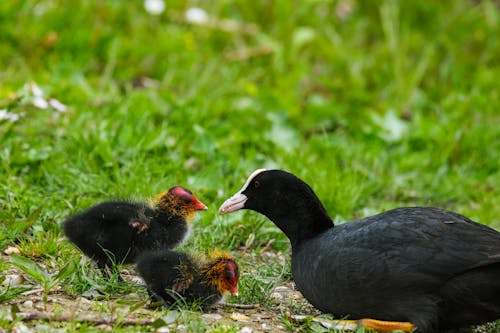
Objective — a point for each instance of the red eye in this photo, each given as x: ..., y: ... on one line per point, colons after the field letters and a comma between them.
x: 256, y: 184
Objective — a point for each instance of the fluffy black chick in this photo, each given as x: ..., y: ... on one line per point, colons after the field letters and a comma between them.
x: 175, y: 278
x: 417, y: 267
x: 118, y: 231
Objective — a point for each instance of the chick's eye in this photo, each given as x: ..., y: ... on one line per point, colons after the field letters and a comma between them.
x: 229, y: 275
x: 256, y: 184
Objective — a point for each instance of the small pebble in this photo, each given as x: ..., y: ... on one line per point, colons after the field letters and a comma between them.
x: 13, y: 280
x: 137, y: 280
x: 277, y: 296
x: 163, y: 329
x: 11, y: 250
x: 28, y: 304
x: 246, y: 329
x: 21, y: 328
x: 212, y: 316
x: 104, y: 327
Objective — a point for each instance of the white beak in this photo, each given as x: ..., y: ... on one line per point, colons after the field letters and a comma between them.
x: 237, y: 201
x: 234, y: 203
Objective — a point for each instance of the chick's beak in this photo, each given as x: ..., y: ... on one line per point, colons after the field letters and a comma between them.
x: 234, y: 203
x: 198, y: 205
x: 234, y: 291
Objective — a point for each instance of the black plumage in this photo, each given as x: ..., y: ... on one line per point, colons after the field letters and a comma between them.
x: 118, y: 231
x: 434, y: 268
x: 175, y: 278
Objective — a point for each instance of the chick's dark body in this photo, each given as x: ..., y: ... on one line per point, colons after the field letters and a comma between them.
x: 170, y: 274
x: 417, y: 264
x: 107, y: 227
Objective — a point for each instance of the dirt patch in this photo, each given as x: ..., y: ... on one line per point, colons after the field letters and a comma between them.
x: 29, y: 313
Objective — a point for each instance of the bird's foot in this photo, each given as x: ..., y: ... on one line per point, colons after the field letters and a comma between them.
x: 141, y: 226
x: 157, y: 302
x: 386, y: 326
x: 182, y: 285
x: 367, y: 323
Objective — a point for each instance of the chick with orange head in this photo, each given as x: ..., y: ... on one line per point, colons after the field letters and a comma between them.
x: 174, y: 278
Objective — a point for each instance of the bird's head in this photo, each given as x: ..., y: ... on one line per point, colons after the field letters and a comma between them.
x: 268, y: 192
x: 222, y: 273
x: 285, y: 199
x: 179, y: 201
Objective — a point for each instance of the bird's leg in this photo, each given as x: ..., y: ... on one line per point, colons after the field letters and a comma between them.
x: 107, y: 272
x: 105, y: 269
x: 156, y: 298
x: 386, y: 326
x: 156, y: 301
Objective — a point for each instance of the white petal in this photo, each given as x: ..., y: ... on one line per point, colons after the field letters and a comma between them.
x: 196, y: 15
x: 40, y: 103
x: 58, y: 105
x: 6, y: 115
x: 36, y: 90
x: 154, y: 7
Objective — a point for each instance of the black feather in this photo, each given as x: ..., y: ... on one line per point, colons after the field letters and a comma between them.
x: 105, y: 234
x: 173, y: 277
x: 434, y: 268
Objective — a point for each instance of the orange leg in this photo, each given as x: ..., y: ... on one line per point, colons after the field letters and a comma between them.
x: 386, y: 326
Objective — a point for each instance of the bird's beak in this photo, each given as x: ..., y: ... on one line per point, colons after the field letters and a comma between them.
x: 234, y: 291
x: 198, y: 205
x: 234, y: 203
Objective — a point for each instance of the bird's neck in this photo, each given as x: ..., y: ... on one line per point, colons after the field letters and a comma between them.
x: 211, y: 273
x: 303, y: 221
x: 169, y: 207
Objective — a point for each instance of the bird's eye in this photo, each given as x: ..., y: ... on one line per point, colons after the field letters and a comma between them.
x: 229, y: 275
x: 186, y: 199
x: 256, y: 184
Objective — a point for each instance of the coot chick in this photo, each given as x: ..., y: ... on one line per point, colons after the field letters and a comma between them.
x: 433, y: 268
x: 176, y: 277
x: 118, y: 231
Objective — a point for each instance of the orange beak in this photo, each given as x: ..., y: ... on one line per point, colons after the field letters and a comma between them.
x: 198, y: 205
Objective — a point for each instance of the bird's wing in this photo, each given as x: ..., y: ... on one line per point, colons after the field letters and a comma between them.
x: 394, y: 253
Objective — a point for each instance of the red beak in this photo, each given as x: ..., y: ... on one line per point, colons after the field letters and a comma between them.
x: 234, y: 290
x: 198, y: 205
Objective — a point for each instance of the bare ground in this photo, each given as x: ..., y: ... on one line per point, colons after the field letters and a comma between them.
x: 29, y: 313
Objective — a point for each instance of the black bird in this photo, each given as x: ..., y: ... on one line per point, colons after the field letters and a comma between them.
x: 118, y: 231
x: 172, y: 277
x: 436, y: 269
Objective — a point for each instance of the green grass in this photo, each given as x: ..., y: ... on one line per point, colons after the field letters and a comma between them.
x: 374, y: 104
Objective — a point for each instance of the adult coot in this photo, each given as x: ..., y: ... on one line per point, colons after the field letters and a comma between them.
x: 178, y: 277
x: 434, y: 268
x: 118, y: 231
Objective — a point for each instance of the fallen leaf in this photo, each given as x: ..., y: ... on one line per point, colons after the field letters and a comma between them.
x: 239, y: 316
x: 12, y: 250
